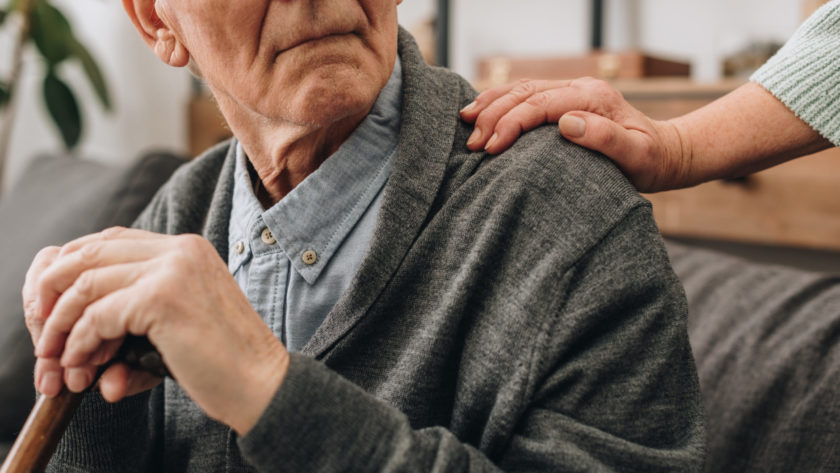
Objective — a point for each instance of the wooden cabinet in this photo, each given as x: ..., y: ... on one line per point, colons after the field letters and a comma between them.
x: 796, y: 204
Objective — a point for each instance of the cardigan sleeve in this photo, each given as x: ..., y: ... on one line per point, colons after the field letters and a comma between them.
x: 615, y: 388
x: 805, y: 73
x: 105, y: 437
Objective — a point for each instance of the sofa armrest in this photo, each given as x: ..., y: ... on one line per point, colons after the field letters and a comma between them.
x: 56, y: 200
x: 767, y: 344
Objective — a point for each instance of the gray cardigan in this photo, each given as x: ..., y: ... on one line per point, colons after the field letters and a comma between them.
x: 512, y: 313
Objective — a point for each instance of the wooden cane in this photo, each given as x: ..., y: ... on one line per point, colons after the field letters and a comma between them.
x: 50, y: 417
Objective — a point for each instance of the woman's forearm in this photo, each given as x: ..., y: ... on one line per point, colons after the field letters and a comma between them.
x: 743, y: 132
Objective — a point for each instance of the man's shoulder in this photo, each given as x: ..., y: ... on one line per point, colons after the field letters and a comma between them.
x: 202, y: 171
x: 182, y: 204
x: 560, y: 183
x: 577, y: 176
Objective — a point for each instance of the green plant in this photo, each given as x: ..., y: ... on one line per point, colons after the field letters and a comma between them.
x: 45, y: 26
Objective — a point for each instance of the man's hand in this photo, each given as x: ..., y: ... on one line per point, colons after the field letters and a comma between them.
x: 590, y: 113
x: 81, y: 300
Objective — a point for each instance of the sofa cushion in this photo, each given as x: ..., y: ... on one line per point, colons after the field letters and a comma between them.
x: 55, y: 201
x: 767, y: 344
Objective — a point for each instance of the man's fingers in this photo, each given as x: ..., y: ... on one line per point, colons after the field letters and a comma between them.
x: 108, y: 318
x: 89, y: 286
x: 106, y: 351
x: 119, y: 381
x: 109, y: 234
x: 79, y: 378
x: 32, y: 306
x: 48, y: 376
x: 96, y: 252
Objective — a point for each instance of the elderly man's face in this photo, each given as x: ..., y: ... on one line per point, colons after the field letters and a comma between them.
x: 310, y: 62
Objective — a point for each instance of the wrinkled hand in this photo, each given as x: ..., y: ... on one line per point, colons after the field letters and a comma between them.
x: 82, y: 299
x: 590, y: 113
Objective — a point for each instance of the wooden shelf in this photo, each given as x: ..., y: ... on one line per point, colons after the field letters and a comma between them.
x: 795, y: 204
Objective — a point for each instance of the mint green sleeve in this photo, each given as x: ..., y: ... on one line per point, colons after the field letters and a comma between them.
x: 805, y: 73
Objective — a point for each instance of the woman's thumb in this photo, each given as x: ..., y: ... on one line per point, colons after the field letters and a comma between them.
x: 599, y: 134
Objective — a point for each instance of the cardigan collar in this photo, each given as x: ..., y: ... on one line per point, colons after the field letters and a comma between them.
x: 429, y: 118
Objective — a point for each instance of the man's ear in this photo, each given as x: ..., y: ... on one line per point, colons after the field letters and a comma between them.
x: 157, y: 35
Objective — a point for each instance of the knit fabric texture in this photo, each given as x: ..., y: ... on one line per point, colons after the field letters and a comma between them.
x: 805, y: 73
x: 513, y: 313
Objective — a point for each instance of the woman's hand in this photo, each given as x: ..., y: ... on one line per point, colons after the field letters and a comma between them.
x: 590, y: 113
x: 82, y: 299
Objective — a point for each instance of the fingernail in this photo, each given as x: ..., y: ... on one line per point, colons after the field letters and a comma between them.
x: 572, y: 126
x: 50, y: 384
x: 493, y: 140
x: 475, y: 137
x: 469, y: 108
x: 78, y: 379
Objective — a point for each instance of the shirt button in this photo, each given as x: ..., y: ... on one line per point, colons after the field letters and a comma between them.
x: 239, y: 247
x: 267, y: 237
x: 309, y: 257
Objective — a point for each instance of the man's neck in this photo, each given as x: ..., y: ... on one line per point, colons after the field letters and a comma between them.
x: 282, y: 153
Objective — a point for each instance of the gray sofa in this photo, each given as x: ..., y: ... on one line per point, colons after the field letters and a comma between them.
x: 766, y: 339
x: 56, y: 200
x: 767, y: 344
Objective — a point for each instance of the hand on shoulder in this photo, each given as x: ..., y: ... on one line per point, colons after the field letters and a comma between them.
x: 589, y: 112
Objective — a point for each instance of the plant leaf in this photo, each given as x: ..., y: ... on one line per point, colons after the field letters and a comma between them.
x: 63, y: 108
x: 3, y: 15
x: 94, y: 74
x: 51, y: 33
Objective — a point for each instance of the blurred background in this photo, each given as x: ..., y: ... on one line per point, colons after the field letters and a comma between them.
x: 668, y: 57
x: 150, y: 100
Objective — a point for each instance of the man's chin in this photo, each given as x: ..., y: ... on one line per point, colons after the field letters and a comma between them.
x: 324, y: 108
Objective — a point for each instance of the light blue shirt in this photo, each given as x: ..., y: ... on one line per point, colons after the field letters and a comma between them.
x: 294, y: 260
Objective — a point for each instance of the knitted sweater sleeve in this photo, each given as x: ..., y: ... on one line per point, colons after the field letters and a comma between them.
x: 614, y: 388
x: 805, y: 73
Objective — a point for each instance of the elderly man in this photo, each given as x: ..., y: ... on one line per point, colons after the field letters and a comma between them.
x: 366, y: 293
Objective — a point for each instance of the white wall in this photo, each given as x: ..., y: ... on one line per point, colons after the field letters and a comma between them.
x: 698, y: 31
x: 150, y: 98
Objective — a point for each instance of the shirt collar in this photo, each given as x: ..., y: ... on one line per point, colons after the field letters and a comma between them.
x: 318, y: 214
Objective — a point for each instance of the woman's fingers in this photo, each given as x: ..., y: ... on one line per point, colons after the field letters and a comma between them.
x: 601, y: 134
x: 489, y: 107
x: 471, y: 111
x: 538, y: 109
x: 638, y: 149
